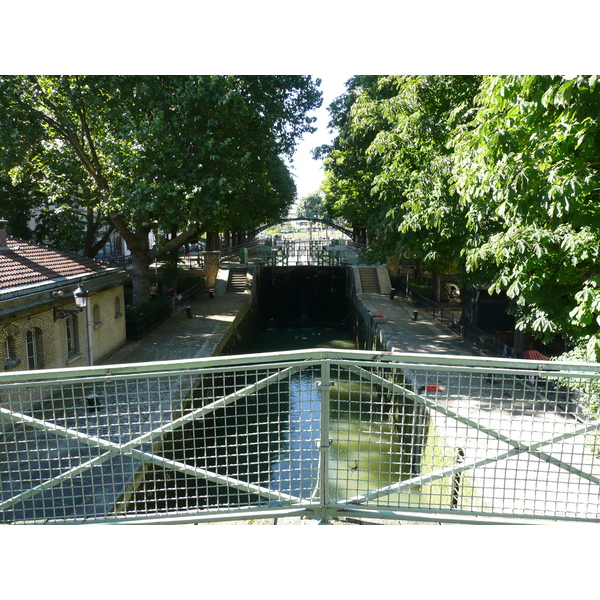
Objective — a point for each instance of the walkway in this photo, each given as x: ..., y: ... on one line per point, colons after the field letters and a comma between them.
x: 205, y: 334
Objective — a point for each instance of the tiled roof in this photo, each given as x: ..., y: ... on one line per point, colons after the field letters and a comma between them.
x: 27, y: 263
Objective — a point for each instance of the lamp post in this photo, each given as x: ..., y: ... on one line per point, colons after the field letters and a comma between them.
x: 81, y: 296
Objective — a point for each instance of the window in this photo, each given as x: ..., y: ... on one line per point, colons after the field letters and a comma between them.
x: 34, y: 348
x: 72, y: 335
x: 97, y: 320
x: 118, y: 312
x: 11, y: 352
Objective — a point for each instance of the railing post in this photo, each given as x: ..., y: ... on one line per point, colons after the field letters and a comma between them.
x: 325, y: 442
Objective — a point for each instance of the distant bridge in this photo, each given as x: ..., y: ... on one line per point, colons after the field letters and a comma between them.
x: 331, y: 224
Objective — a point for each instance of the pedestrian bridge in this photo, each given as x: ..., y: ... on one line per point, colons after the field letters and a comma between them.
x: 328, y: 223
x: 324, y: 434
x: 299, y: 252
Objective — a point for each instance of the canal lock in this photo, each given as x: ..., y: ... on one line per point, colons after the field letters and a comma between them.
x: 271, y: 439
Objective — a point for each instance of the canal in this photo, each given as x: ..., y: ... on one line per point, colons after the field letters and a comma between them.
x: 271, y: 438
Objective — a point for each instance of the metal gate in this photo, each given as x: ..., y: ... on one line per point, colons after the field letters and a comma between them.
x: 324, y: 434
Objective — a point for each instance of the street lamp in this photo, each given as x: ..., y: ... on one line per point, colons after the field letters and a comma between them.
x: 80, y: 301
x: 81, y: 297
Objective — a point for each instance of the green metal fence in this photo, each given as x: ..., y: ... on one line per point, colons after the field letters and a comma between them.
x: 323, y: 434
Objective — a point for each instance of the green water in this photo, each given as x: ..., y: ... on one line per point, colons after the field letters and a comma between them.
x: 301, y: 338
x: 272, y: 438
x: 365, y: 449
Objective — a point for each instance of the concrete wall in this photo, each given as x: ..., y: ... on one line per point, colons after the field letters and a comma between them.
x: 410, y: 420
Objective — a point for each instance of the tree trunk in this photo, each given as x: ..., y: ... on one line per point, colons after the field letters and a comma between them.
x: 437, y: 287
x: 522, y: 341
x: 140, y: 280
x: 212, y: 241
x: 360, y: 235
x: 141, y: 255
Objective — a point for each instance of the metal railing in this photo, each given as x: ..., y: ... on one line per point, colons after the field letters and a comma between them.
x: 308, y: 252
x: 322, y: 434
x: 140, y: 322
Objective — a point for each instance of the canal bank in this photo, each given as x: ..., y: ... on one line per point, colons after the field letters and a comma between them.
x: 218, y: 324
x: 210, y: 325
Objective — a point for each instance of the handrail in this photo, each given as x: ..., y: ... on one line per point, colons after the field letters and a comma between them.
x: 469, y: 332
x: 382, y: 429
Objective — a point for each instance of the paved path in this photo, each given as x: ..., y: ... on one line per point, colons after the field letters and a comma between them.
x: 404, y: 334
x: 181, y: 337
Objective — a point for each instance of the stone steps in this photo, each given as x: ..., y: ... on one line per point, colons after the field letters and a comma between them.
x: 236, y: 283
x: 369, y: 280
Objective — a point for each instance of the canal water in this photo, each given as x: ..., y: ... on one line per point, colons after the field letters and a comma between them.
x: 367, y: 452
x: 271, y: 438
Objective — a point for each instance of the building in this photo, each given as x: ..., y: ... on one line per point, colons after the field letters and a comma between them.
x: 56, y: 309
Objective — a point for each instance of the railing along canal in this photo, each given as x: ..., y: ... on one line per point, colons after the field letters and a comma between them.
x: 307, y: 252
x: 322, y: 434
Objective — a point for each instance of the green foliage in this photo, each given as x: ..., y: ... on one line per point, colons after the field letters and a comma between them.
x: 586, y: 351
x: 182, y: 153
x: 526, y: 168
x: 311, y: 206
x: 390, y: 168
x: 495, y: 176
x: 142, y: 319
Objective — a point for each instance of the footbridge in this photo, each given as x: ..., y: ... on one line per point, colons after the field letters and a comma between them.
x: 285, y: 252
x: 320, y: 434
x: 326, y: 222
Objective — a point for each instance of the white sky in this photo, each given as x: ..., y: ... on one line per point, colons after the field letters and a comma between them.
x: 308, y: 172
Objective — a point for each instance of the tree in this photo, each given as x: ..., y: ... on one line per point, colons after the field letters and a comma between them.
x: 416, y: 117
x: 390, y: 167
x: 527, y: 169
x: 349, y: 171
x: 170, y: 152
x: 311, y: 206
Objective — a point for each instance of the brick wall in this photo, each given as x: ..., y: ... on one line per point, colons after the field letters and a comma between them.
x: 107, y: 316
x: 108, y: 323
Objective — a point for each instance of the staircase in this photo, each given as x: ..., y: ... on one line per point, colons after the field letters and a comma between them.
x: 369, y: 280
x: 236, y: 283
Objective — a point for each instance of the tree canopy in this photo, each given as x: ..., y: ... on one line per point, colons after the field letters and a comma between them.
x: 527, y: 170
x: 494, y: 177
x: 179, y: 153
x: 389, y: 170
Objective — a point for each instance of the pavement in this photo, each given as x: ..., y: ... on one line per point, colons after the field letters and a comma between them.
x: 212, y: 323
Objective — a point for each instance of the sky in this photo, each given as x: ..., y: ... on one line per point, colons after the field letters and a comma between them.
x: 308, y: 173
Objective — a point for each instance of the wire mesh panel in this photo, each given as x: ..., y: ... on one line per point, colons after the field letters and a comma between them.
x: 134, y: 446
x: 248, y: 439
x: 321, y: 433
x: 471, y: 442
